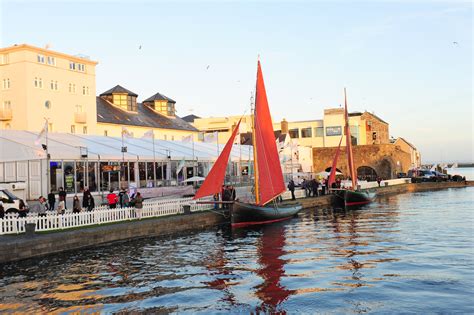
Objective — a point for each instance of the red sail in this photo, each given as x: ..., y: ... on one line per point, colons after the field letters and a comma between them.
x: 270, y: 176
x: 350, y: 157
x: 332, y: 175
x: 214, y: 180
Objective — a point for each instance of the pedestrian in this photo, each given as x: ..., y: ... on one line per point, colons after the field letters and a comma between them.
x: 126, y: 199
x: 232, y: 193
x: 227, y: 196
x: 223, y: 196
x: 138, y: 201
x: 89, y: 202
x: 22, y: 209
x: 112, y: 199
x: 379, y: 180
x: 51, y: 200
x: 41, y: 206
x: 2, y: 210
x: 85, y: 197
x: 76, y: 205
x: 291, y: 187
x: 314, y: 187
x: 323, y: 186
x: 120, y: 197
x: 216, y: 200
x: 61, y: 207
x: 62, y: 196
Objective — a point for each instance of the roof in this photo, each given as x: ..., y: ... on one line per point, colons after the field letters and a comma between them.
x: 403, y: 139
x: 18, y: 47
x: 377, y: 117
x: 190, y: 118
x: 159, y: 97
x: 144, y: 117
x: 119, y: 89
x: 20, y: 146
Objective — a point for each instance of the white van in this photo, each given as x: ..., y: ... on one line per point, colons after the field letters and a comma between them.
x: 10, y: 202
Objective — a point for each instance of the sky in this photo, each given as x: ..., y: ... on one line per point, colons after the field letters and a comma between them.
x: 408, y: 62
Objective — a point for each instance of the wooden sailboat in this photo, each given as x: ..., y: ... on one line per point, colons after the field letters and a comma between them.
x: 348, y: 197
x: 269, y: 183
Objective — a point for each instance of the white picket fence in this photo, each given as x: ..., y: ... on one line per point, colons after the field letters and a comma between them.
x: 12, y: 224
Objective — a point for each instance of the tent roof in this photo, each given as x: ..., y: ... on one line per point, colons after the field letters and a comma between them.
x: 18, y: 145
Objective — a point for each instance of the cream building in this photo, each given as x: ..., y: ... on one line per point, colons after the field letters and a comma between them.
x: 222, y: 126
x: 118, y: 108
x: 39, y: 83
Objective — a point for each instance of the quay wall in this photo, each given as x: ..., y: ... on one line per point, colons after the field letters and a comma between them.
x: 19, y: 247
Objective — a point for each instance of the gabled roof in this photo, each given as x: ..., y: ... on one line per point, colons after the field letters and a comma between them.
x: 145, y: 117
x: 403, y: 139
x: 190, y: 118
x: 159, y: 97
x: 119, y: 89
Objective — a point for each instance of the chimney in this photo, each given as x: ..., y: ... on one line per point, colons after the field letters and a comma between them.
x: 284, y: 126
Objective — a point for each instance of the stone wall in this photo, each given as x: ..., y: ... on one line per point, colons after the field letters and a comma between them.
x: 386, y: 159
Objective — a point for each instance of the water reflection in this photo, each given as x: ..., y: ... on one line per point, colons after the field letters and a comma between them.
x: 373, y: 259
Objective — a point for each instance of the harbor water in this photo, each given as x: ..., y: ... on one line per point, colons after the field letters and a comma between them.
x: 408, y: 253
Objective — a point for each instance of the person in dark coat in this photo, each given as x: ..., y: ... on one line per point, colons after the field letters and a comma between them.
x: 232, y: 193
x: 51, y: 200
x: 90, y: 203
x: 76, y: 204
x: 291, y: 187
x: 227, y: 196
x: 314, y: 187
x: 85, y: 197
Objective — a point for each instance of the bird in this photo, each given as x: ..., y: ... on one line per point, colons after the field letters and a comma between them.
x: 455, y: 43
x: 140, y: 47
x: 207, y: 68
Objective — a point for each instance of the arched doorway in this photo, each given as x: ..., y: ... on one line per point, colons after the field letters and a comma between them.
x: 367, y: 173
x: 385, y: 169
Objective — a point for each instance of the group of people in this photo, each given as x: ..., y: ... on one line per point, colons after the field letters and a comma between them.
x: 123, y: 199
x: 313, y: 187
x: 227, y: 194
x: 88, y: 202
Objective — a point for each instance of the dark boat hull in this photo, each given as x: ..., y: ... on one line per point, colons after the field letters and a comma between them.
x: 351, y: 198
x: 244, y: 214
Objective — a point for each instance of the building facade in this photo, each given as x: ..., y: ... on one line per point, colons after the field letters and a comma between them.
x: 39, y: 83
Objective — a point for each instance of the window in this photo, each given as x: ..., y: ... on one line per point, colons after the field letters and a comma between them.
x: 72, y: 65
x: 334, y: 131
x: 55, y: 85
x: 83, y: 90
x: 165, y: 137
x: 294, y: 133
x: 40, y: 83
x: 306, y: 132
x: 84, y: 130
x: 40, y: 58
x: 51, y: 61
x: 105, y: 133
x: 87, y: 90
x: 73, y: 129
x: 4, y: 59
x: 78, y: 108
x: 132, y: 103
x: 52, y: 85
x: 6, y: 84
x: 7, y: 105
x: 74, y: 89
x: 319, y: 132
x: 36, y: 82
x: 172, y: 138
x: 47, y: 104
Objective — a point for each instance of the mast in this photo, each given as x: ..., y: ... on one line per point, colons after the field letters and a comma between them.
x: 350, y: 158
x: 255, y: 165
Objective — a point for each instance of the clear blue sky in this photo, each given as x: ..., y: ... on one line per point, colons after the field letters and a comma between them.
x: 396, y: 59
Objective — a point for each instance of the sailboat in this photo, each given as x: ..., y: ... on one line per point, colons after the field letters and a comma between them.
x: 352, y: 196
x: 269, y: 183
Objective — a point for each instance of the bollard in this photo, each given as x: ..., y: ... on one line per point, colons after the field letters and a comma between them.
x: 187, y: 209
x: 30, y: 229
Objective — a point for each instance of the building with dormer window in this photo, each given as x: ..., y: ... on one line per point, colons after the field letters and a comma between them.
x: 118, y: 107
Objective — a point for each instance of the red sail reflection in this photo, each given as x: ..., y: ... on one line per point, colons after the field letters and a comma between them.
x: 271, y: 292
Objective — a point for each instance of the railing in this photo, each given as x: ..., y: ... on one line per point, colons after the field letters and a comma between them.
x: 12, y: 224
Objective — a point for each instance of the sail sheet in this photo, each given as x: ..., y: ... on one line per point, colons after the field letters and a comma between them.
x: 350, y: 157
x: 270, y: 177
x: 214, y: 180
x: 332, y: 175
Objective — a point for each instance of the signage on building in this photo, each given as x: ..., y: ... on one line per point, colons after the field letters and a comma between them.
x: 334, y: 131
x: 110, y: 168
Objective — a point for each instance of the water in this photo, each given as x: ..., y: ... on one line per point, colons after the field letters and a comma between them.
x: 411, y: 253
x: 463, y: 171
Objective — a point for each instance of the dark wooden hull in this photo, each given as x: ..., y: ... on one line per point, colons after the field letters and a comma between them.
x: 351, y: 198
x: 244, y: 214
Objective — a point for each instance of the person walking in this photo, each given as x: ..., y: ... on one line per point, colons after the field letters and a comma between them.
x: 76, y: 205
x: 62, y: 196
x: 51, y: 200
x: 112, y: 199
x: 22, y: 209
x: 291, y: 187
x: 85, y: 197
x: 61, y: 207
x: 216, y: 198
x: 121, y: 197
x: 138, y: 201
x: 232, y: 193
x: 323, y: 186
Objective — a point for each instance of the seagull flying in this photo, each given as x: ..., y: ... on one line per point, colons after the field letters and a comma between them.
x: 207, y: 68
x: 140, y: 47
x: 455, y: 43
